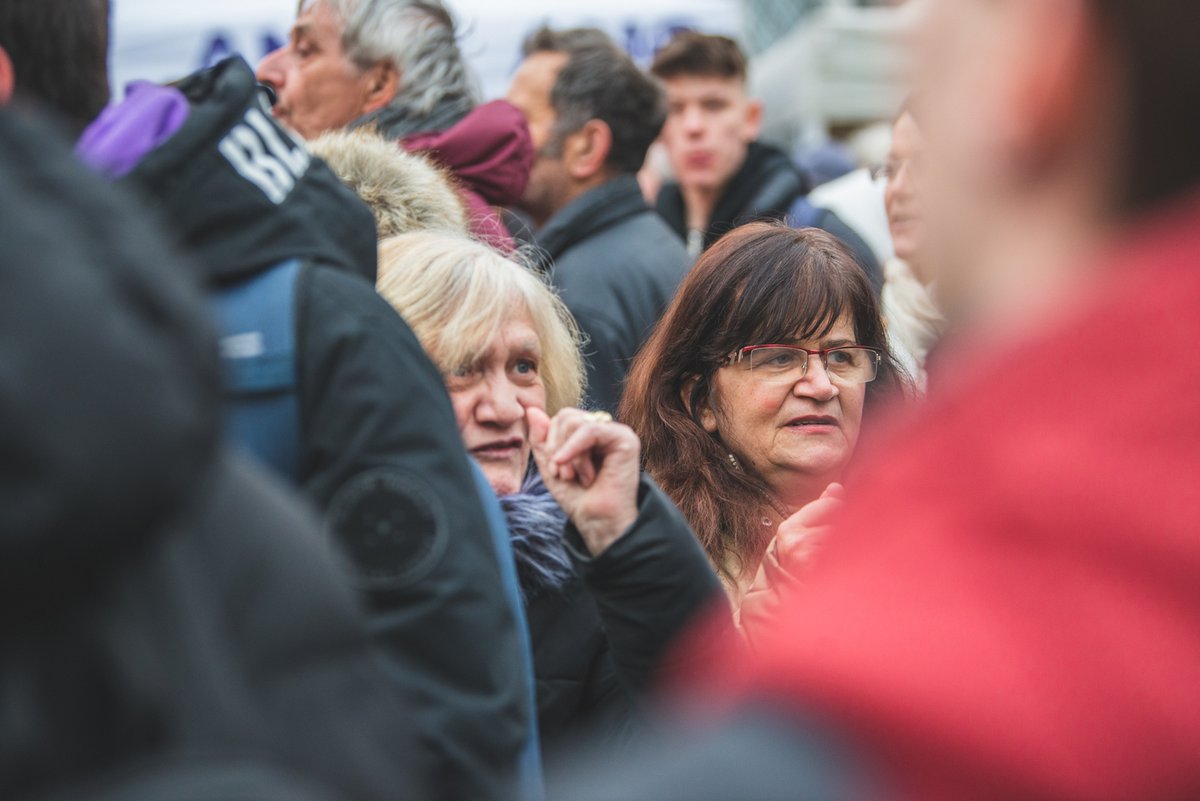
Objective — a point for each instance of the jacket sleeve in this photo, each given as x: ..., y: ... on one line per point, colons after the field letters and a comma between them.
x: 649, y: 586
x: 384, y: 462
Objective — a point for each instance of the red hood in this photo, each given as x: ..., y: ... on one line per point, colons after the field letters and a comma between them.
x: 489, y: 151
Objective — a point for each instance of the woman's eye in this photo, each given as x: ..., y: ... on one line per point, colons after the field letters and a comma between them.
x: 840, y: 357
x: 782, y: 360
x: 525, y: 367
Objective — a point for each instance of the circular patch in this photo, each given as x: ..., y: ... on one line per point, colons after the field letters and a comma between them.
x: 391, y: 525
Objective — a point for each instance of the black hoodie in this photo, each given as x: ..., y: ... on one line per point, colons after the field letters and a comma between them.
x: 381, y: 456
x: 764, y: 188
x: 160, y: 600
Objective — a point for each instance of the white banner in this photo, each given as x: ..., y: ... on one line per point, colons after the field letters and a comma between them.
x: 160, y: 41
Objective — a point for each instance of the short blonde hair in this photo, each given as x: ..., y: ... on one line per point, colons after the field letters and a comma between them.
x: 457, y: 293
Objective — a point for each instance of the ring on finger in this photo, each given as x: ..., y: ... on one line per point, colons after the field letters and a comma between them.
x: 598, y: 417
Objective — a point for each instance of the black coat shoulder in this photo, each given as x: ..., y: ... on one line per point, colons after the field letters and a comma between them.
x: 617, y: 265
x: 599, y: 644
x: 383, y: 460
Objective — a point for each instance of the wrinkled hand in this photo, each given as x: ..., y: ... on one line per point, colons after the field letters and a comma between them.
x: 799, y: 534
x: 592, y: 469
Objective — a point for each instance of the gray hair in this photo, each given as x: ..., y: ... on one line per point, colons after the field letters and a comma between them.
x: 419, y: 37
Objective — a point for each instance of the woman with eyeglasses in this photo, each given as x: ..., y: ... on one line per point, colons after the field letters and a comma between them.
x: 750, y: 396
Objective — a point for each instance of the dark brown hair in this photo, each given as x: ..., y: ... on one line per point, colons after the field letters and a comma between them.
x: 762, y: 282
x: 600, y: 82
x: 59, y: 52
x: 698, y: 54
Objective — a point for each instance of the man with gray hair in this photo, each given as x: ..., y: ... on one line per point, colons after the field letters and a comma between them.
x: 395, y: 65
x: 593, y: 115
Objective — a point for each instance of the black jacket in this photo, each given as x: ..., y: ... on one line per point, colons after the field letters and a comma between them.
x: 764, y: 188
x: 617, y: 266
x: 601, y: 633
x: 768, y: 186
x: 159, y: 598
x: 381, y: 456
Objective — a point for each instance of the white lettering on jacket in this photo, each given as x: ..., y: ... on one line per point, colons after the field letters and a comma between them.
x: 260, y: 155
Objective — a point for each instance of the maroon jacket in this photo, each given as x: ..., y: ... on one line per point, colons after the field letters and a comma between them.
x: 1011, y: 607
x: 490, y: 152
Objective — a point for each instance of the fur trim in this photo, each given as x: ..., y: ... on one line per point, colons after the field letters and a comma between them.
x: 407, y: 192
x: 536, y: 524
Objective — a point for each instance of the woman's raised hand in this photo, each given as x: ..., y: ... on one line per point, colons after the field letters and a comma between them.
x: 799, y: 534
x: 591, y: 466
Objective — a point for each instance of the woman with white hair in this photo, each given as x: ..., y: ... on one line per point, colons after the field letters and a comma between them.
x: 609, y: 570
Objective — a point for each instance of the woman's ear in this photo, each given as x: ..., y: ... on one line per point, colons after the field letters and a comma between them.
x: 708, y: 419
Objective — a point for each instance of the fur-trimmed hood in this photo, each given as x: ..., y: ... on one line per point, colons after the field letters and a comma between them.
x: 407, y: 192
x: 536, y: 524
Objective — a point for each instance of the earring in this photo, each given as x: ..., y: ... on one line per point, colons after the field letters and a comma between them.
x: 733, y: 461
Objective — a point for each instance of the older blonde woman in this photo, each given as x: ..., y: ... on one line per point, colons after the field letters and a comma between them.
x: 609, y: 570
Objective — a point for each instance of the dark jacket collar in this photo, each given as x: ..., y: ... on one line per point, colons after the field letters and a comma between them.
x: 764, y: 188
x: 219, y: 212
x: 592, y: 212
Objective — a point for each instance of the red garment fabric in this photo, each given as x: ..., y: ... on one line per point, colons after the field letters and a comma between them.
x: 1011, y: 607
x: 490, y: 152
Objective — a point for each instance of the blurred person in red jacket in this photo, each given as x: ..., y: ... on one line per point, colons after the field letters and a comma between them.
x: 1009, y: 605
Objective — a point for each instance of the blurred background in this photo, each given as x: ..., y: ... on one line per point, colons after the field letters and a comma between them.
x: 828, y: 70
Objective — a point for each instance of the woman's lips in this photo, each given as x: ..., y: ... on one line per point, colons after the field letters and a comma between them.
x: 813, y: 424
x: 500, y: 450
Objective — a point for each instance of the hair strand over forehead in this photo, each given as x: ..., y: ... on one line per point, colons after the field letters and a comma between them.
x: 456, y: 294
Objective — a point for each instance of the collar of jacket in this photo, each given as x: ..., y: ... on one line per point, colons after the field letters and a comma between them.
x: 489, y: 151
x: 764, y: 188
x: 535, y: 526
x: 592, y: 212
x: 217, y: 206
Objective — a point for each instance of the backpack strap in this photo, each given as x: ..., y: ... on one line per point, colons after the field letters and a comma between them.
x: 256, y: 320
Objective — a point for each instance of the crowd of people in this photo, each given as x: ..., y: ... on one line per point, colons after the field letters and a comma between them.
x: 366, y: 440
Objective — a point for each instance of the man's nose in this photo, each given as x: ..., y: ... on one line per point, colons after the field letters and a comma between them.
x: 271, y: 69
x: 693, y: 121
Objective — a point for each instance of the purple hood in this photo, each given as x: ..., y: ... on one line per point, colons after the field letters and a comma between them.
x: 125, y: 132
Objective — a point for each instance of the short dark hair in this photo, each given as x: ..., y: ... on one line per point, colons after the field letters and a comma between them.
x: 59, y: 53
x: 1156, y: 42
x: 699, y: 54
x: 599, y: 82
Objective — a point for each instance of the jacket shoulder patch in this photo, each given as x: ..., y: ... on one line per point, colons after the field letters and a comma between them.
x: 391, y: 526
